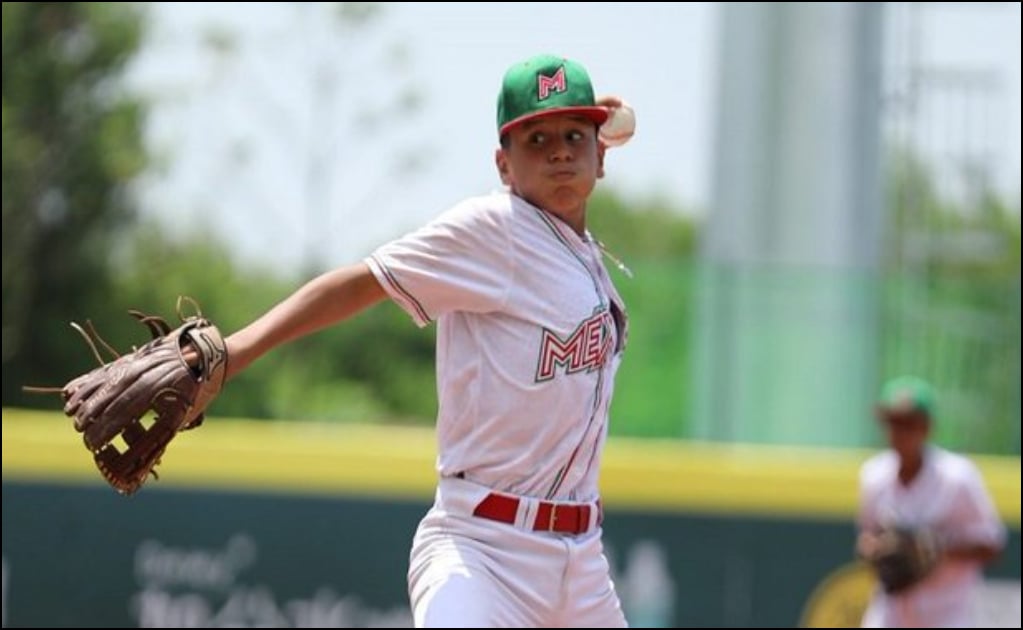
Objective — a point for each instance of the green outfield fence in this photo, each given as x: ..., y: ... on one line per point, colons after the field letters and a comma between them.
x: 961, y: 332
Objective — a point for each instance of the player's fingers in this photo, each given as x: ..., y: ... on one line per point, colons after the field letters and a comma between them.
x: 609, y: 100
x: 866, y: 545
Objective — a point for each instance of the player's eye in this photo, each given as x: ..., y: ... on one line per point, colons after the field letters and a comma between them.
x: 537, y: 138
x: 574, y: 135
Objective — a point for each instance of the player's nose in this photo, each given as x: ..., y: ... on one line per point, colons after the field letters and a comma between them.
x: 559, y: 152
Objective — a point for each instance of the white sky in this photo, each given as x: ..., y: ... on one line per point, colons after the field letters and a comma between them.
x: 240, y: 141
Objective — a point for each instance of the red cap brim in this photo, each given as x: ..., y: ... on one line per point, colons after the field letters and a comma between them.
x: 597, y: 114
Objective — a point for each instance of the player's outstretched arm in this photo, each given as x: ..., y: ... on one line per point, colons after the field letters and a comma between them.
x: 172, y: 379
x: 982, y: 553
x: 327, y: 299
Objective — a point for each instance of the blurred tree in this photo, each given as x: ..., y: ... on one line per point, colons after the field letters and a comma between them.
x: 306, y: 123
x: 951, y: 303
x: 71, y: 142
x: 378, y: 366
x: 651, y: 229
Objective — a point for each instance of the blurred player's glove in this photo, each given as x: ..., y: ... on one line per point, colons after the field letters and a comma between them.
x: 902, y: 557
x: 114, y: 400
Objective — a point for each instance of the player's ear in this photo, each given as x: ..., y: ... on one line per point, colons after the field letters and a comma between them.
x: 601, y: 149
x: 501, y: 160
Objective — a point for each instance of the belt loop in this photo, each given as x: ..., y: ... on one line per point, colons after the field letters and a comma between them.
x: 527, y: 513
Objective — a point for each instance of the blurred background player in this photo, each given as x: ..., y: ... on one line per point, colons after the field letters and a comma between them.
x: 915, y: 485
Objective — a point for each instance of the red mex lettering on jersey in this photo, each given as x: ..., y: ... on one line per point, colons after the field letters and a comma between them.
x: 545, y: 85
x: 587, y: 348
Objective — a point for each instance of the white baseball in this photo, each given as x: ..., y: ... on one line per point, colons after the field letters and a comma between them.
x: 619, y: 127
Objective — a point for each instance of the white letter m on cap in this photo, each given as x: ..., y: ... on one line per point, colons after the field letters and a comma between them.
x: 545, y: 85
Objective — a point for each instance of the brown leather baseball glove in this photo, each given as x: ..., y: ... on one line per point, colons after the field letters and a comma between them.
x: 145, y: 397
x: 903, y: 557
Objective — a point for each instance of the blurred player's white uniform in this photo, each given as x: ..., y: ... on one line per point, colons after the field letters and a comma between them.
x: 530, y: 333
x: 948, y: 497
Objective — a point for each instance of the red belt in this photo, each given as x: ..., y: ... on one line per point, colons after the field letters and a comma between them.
x: 550, y: 517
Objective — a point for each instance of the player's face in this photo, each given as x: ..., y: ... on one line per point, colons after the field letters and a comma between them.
x: 907, y: 433
x: 553, y: 162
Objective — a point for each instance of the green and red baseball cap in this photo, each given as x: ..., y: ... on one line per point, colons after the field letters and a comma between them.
x: 906, y: 395
x: 545, y: 85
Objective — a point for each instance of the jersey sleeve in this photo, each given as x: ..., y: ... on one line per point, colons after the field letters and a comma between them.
x: 875, y: 474
x: 975, y: 512
x: 461, y: 261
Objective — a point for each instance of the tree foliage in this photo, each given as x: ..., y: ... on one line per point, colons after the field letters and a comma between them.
x: 652, y: 229
x: 376, y: 366
x: 951, y: 301
x: 71, y: 142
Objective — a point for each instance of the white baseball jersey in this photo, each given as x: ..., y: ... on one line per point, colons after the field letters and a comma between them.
x: 948, y: 497
x: 529, y: 335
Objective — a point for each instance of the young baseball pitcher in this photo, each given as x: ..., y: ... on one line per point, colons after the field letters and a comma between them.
x: 530, y: 332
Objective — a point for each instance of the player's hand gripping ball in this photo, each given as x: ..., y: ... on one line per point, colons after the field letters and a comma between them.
x: 619, y: 127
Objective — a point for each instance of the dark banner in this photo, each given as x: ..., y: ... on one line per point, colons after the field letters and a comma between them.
x: 82, y: 556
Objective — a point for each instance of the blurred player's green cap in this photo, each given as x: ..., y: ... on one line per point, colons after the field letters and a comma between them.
x: 544, y: 85
x: 906, y: 395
